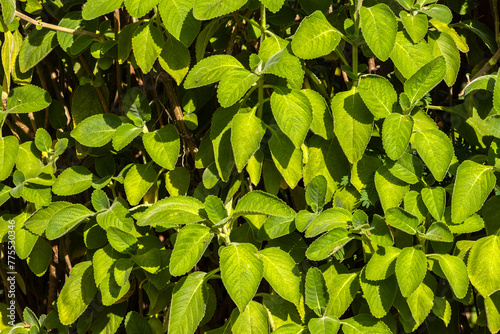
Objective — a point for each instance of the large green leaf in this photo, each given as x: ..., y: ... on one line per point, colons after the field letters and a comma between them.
x: 353, y: 123
x: 364, y: 323
x: 247, y: 131
x: 408, y: 57
x: 402, y: 220
x: 135, y: 323
x: 379, y: 27
x: 411, y: 267
x: 66, y: 219
x: 342, y: 288
x: 282, y: 312
x: 473, y: 184
x: 179, y: 21
x: 209, y: 9
x: 9, y: 147
x: 172, y: 211
x: 435, y: 201
x: 390, y: 189
x: 138, y: 180
x: 211, y: 70
x: 483, y: 265
x: 77, y: 293
x: 163, y: 146
x: 322, y: 123
x: 379, y: 294
x: 36, y: 46
x: 253, y: 320
x: 24, y: 240
x: 382, y: 263
x: 234, y: 85
x: 436, y: 150
x: 96, y: 8
x: 492, y: 308
x: 287, y: 158
x: 293, y: 113
x: 261, y: 203
x: 315, y: 37
x: 26, y: 99
x: 316, y: 292
x: 117, y: 215
x: 37, y: 222
x: 396, y: 133
x: 460, y: 41
x: 123, y: 242
x: 72, y: 181
x: 381, y: 234
x: 97, y: 130
x: 147, y: 44
x: 328, y: 220
x: 139, y: 8
x: 241, y: 272
x: 273, y: 5
x: 188, y: 303
x: 323, y: 325
x: 455, y: 272
x: 378, y: 94
x: 220, y: 135
x: 442, y: 44
x: 426, y: 78
x: 407, y: 168
x: 8, y: 11
x: 175, y: 59
x: 420, y: 303
x: 284, y: 65
x: 328, y: 244
x: 190, y: 244
x: 415, y: 25
x: 124, y: 135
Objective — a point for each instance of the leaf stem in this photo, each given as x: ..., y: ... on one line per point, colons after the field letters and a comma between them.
x: 262, y: 22
x: 260, y: 104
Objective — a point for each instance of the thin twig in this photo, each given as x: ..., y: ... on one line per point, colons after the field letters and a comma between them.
x: 59, y: 93
x: 9, y: 124
x: 52, y: 295
x: 24, y: 128
x: 99, y: 91
x: 489, y: 64
x: 54, y: 27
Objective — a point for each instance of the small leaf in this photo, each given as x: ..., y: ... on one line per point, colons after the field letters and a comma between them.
x: 492, y: 309
x: 175, y: 59
x: 407, y: 168
x: 163, y: 146
x: 378, y: 95
x: 117, y: 215
x: 439, y: 232
x: 287, y: 159
x: 26, y: 99
x: 379, y: 294
x: 211, y: 70
x: 425, y: 79
x: 220, y: 135
x: 215, y: 209
x: 190, y: 244
x: 260, y: 203
x: 315, y: 37
x: 445, y: 28
x: 342, y: 289
x: 328, y: 244
x: 415, y: 25
x: 234, y: 85
x: 442, y: 309
x: 435, y: 201
x: 438, y: 12
x: 411, y: 267
x: 147, y: 44
x: 455, y: 272
x: 209, y: 9
x: 483, y: 265
x: 139, y: 8
x: 8, y: 11
x: 124, y: 135
x: 316, y: 293
x: 136, y: 106
x: 284, y: 65
x: 241, y: 272
x: 96, y: 8
x: 253, y: 320
x: 381, y: 234
x: 172, y: 211
x: 323, y: 325
x: 36, y: 46
x: 402, y: 220
x: 72, y: 181
x: 43, y: 141
x: 122, y: 241
x: 273, y: 5
x: 364, y: 323
x: 177, y: 181
x: 322, y: 123
x: 328, y: 220
x: 9, y: 147
x: 473, y: 184
x: 443, y: 44
x: 316, y: 193
x: 436, y: 150
x: 97, y: 130
x: 247, y: 131
x: 420, y: 303
x: 66, y: 219
x: 390, y: 189
x: 379, y: 27
x: 382, y: 263
x: 396, y: 133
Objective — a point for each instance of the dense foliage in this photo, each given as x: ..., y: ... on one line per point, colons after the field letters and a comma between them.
x: 191, y: 166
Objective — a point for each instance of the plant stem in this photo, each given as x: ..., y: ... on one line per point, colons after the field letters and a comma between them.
x: 262, y: 22
x: 54, y: 27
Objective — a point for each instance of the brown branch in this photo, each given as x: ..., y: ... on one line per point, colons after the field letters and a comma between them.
x: 99, y: 91
x: 52, y: 295
x: 43, y: 82
x: 489, y: 64
x: 9, y: 124
x: 54, y: 27
x: 24, y: 128
x: 118, y: 96
x: 63, y: 245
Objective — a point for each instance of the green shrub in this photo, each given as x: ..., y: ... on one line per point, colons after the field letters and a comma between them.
x: 197, y: 166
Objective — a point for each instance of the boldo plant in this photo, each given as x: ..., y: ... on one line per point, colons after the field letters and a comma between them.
x: 250, y: 166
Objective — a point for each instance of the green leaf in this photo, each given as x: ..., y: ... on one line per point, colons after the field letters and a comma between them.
x: 163, y: 146
x: 177, y: 181
x: 316, y: 193
x: 271, y: 47
x: 241, y: 272
x: 138, y: 180
x: 8, y: 11
x: 125, y: 41
x: 139, y: 8
x: 117, y: 215
x: 382, y: 263
x: 215, y: 209
x: 73, y: 181
x: 171, y: 211
x: 483, y: 266
x: 273, y: 5
x: 328, y: 244
x: 379, y: 27
x: 211, y: 70
x: 147, y: 44
x: 36, y: 46
x: 364, y: 323
x: 442, y: 44
x: 77, y: 293
x: 37, y: 223
x: 97, y: 130
x: 491, y: 215
x: 442, y: 309
x: 390, y: 189
x: 253, y: 320
x: 411, y: 267
x: 396, y: 133
x: 328, y: 220
x: 287, y: 158
x: 247, y: 131
x: 402, y: 220
x: 439, y: 232
x: 438, y: 12
x: 43, y: 141
x: 150, y: 261
x: 234, y: 85
x: 415, y: 25
x: 175, y: 59
x: 292, y: 112
x: 353, y: 123
x: 281, y: 273
x: 408, y: 57
x: 316, y: 293
x: 26, y: 99
x: 436, y: 150
x: 136, y: 323
x: 66, y: 219
x: 496, y: 94
x: 378, y: 95
x: 322, y: 123
x: 407, y: 168
x: 260, y: 203
x: 29, y: 160
x: 342, y: 288
x: 315, y: 37
x: 379, y: 294
x: 25, y: 240
x: 136, y: 106
x: 9, y: 147
x: 190, y: 244
x: 420, y: 303
x: 209, y: 9
x: 284, y: 65
x: 381, y: 234
x: 122, y: 241
x: 445, y: 28
x: 124, y: 135
x: 40, y: 257
x: 492, y: 308
x: 188, y: 303
x: 455, y: 272
x: 96, y: 8
x: 179, y: 21
x: 85, y: 103
x: 220, y: 134
x: 435, y: 201
x: 281, y: 311
x: 426, y: 78
x: 323, y: 325
x: 473, y: 184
